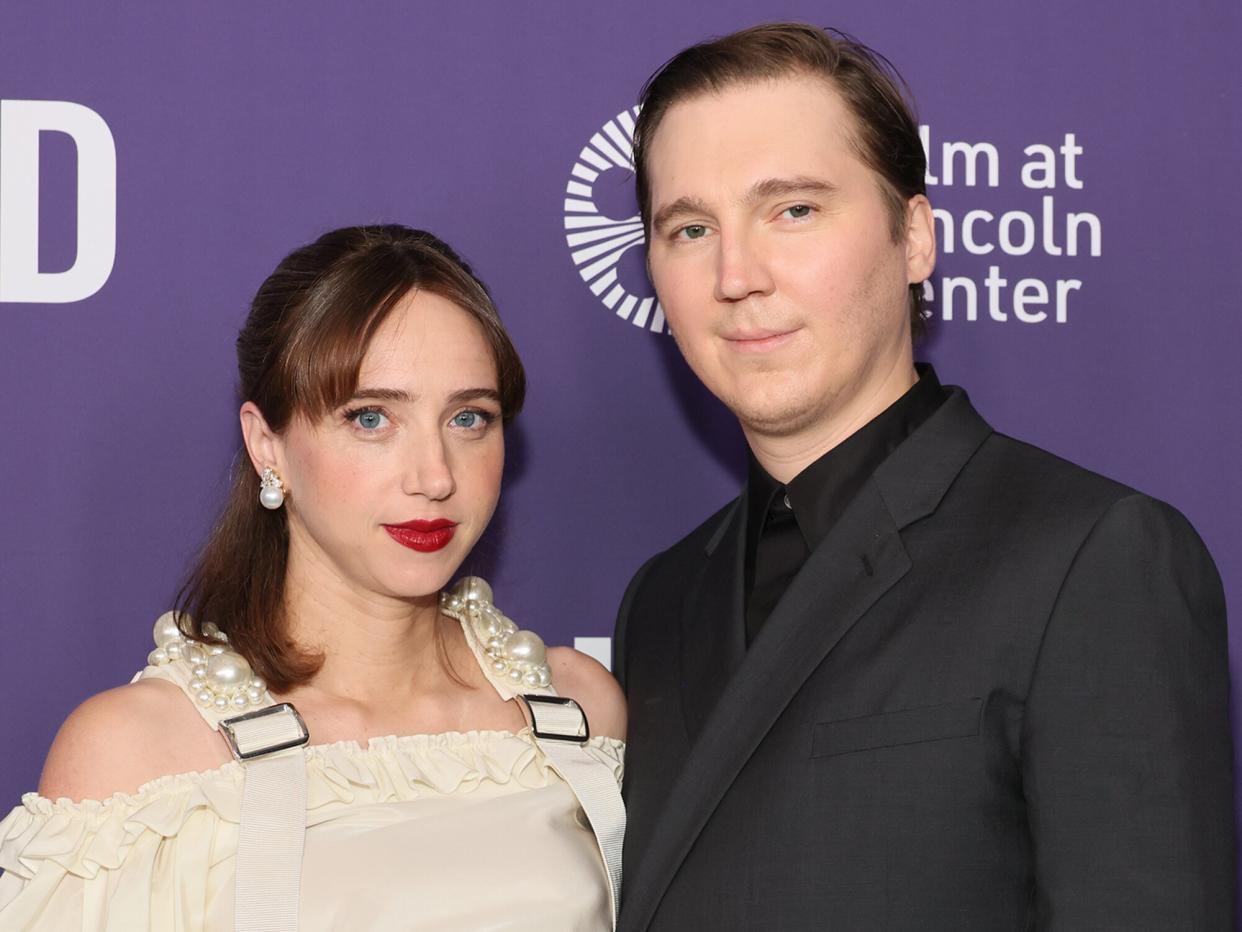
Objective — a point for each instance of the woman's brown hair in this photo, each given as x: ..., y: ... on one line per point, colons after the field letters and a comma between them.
x: 299, y: 354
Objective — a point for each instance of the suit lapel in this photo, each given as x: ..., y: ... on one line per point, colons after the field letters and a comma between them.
x: 849, y: 571
x: 860, y: 560
x: 713, y: 635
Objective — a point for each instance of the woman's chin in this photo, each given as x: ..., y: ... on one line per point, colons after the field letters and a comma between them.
x: 424, y: 583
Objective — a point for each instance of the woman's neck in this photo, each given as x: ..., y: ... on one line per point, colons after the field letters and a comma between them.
x: 376, y: 649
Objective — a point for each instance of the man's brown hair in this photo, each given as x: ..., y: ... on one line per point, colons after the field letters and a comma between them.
x: 886, y: 134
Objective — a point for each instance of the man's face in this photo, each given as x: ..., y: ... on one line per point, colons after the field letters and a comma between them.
x: 772, y: 253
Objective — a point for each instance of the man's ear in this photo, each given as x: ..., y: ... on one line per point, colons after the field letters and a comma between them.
x: 263, y: 444
x: 920, y: 240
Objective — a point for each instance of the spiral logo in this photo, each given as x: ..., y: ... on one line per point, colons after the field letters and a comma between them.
x: 599, y: 242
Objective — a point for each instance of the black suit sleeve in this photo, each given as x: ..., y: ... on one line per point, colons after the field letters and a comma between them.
x: 1126, y: 750
x: 623, y: 616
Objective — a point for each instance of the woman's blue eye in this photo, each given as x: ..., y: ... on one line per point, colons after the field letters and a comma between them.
x: 369, y: 420
x: 470, y: 420
x: 798, y: 211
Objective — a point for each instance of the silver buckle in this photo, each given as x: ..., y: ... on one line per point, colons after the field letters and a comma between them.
x: 228, y: 729
x: 532, y: 699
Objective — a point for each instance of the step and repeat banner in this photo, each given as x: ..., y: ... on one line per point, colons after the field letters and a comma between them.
x: 156, y: 163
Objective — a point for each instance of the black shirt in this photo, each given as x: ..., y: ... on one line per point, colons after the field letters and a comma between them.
x: 784, y: 523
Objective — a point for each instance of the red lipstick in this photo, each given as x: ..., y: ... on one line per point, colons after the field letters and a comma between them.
x: 423, y: 536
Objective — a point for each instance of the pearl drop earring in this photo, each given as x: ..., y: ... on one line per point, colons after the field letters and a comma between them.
x: 271, y: 489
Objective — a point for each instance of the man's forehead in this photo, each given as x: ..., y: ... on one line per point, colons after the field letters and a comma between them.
x: 792, y: 113
x: 765, y: 128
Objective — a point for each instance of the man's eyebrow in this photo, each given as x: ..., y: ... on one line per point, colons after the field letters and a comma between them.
x: 782, y: 187
x: 759, y: 191
x: 683, y: 206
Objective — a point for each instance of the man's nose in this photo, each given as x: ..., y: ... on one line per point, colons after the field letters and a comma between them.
x: 741, y: 268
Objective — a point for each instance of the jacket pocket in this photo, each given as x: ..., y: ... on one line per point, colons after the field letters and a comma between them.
x: 958, y: 719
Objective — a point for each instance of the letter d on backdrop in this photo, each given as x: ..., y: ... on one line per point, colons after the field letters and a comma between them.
x: 21, y: 121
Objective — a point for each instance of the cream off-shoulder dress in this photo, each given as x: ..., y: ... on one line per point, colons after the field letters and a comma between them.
x: 457, y: 831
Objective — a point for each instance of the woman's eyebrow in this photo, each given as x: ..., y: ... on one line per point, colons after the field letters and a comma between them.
x: 397, y: 394
x: 383, y: 394
x: 474, y: 394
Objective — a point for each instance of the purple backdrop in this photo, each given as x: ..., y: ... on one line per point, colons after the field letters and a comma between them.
x: 241, y: 135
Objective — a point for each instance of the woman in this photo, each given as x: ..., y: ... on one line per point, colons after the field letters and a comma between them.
x: 377, y: 379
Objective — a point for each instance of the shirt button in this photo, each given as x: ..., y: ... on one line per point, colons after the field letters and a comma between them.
x: 787, y: 505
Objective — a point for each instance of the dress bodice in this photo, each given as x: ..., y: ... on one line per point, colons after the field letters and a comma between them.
x: 440, y: 832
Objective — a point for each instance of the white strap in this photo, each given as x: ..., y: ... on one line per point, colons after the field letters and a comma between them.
x: 561, y: 731
x: 557, y: 717
x: 268, y: 868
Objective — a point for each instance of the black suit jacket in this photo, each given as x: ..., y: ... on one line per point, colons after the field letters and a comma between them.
x: 994, y: 698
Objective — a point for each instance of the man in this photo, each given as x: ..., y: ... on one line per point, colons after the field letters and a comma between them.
x: 919, y: 675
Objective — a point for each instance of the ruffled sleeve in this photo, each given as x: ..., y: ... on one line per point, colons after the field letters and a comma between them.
x: 131, y: 862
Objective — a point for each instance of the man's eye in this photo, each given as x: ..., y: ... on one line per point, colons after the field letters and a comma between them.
x: 798, y: 211
x: 693, y: 231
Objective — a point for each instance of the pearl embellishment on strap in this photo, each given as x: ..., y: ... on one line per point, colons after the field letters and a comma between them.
x: 220, y: 678
x: 515, y: 655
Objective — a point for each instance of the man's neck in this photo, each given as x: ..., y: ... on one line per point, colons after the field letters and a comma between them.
x: 785, y: 454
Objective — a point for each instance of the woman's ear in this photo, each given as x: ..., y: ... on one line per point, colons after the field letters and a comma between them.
x: 263, y: 444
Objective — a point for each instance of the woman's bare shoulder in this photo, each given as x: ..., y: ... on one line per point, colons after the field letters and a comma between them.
x: 118, y: 740
x: 586, y: 680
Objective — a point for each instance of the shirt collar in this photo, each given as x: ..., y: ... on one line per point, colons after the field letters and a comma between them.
x: 822, y: 491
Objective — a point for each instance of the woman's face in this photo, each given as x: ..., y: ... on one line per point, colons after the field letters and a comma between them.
x: 390, y: 492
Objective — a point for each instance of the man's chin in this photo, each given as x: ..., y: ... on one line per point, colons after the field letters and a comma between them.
x: 775, y: 418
